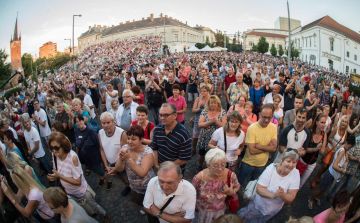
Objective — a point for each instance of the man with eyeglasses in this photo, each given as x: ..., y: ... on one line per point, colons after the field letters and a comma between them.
x: 126, y: 113
x: 171, y: 140
x: 295, y: 135
x: 261, y: 139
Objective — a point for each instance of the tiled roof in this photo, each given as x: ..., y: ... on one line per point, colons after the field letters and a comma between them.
x: 143, y: 24
x: 266, y: 34
x: 328, y: 22
x: 94, y: 30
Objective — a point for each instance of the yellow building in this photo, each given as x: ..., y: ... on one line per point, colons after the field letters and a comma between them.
x: 49, y: 49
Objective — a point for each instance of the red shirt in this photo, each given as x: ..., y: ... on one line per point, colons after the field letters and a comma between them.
x: 141, y: 100
x: 228, y: 80
x: 146, y: 135
x: 346, y: 95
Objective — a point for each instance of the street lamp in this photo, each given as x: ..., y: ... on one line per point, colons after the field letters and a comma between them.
x: 224, y: 39
x: 70, y: 46
x: 73, y: 38
x: 289, y: 47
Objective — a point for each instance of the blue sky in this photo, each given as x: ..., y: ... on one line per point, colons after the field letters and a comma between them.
x: 41, y: 21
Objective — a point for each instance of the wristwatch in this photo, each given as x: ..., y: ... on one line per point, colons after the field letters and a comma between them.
x: 159, y: 215
x: 14, y: 202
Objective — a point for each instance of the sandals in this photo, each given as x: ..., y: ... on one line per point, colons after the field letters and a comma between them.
x: 310, y: 204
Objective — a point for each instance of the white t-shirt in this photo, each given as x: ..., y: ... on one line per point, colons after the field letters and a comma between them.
x: 108, y: 99
x: 272, y: 180
x: 37, y: 195
x: 328, y: 121
x: 341, y: 163
x: 278, y: 114
x: 31, y: 137
x: 88, y: 101
x: 269, y: 100
x: 233, y: 143
x: 44, y: 131
x: 111, y: 145
x: 14, y: 133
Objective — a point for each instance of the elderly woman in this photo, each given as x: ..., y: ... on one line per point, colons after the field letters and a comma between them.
x: 240, y: 106
x: 142, y: 120
x: 87, y: 146
x: 69, y: 209
x: 137, y: 159
x: 77, y: 110
x: 179, y: 102
x: 278, y: 184
x: 211, y: 118
x: 234, y: 143
x: 212, y: 187
x: 67, y: 168
x: 29, y: 188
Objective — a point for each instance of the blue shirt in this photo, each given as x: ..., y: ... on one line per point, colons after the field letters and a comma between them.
x: 125, y: 121
x: 173, y: 146
x: 84, y: 114
x: 258, y: 95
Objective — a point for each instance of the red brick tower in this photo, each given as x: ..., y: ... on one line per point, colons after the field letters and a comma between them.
x: 15, y: 52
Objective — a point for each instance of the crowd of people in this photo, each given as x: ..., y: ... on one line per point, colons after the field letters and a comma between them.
x: 258, y: 125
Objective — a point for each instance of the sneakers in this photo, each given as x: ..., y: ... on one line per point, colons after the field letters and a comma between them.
x: 109, y: 185
x: 310, y: 204
x: 126, y: 191
x: 101, y: 182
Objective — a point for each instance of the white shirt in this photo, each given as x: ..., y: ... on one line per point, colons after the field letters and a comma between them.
x: 89, y: 102
x: 111, y: 144
x: 108, y: 99
x: 269, y: 100
x: 233, y: 143
x: 14, y: 133
x: 44, y: 131
x: 32, y: 137
x: 184, y: 200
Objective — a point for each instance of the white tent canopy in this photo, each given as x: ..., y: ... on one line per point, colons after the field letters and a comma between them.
x: 207, y: 49
x: 218, y: 48
x: 267, y: 53
x: 193, y: 49
x: 284, y: 55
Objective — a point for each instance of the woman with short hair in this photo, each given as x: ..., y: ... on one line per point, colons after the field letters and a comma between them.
x: 78, y: 110
x: 278, y: 184
x: 212, y: 187
x: 179, y: 102
x: 142, y: 120
x: 69, y: 209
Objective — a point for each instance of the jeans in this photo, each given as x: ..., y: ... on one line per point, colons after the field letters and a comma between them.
x: 347, y: 179
x: 44, y: 164
x: 155, y: 113
x: 246, y: 170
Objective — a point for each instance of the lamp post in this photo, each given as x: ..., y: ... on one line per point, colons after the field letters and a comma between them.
x: 73, y: 37
x: 289, y: 47
x: 224, y: 39
x: 70, y: 46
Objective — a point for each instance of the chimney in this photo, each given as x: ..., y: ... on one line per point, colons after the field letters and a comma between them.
x: 196, y: 24
x: 186, y: 22
x: 161, y: 15
x: 105, y: 27
x: 99, y: 26
x: 152, y: 17
x: 112, y: 26
x: 127, y: 22
x: 121, y: 23
x: 142, y: 18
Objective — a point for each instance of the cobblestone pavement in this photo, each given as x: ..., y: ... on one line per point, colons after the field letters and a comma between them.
x: 122, y: 209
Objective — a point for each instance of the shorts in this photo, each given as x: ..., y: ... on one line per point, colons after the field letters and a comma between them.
x: 326, y: 181
x: 98, y: 169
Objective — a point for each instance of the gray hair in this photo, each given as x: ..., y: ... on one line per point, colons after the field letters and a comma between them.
x: 214, y: 155
x: 60, y: 103
x: 6, y: 121
x: 105, y: 114
x: 129, y: 92
x: 172, y: 106
x: 23, y: 117
x: 169, y: 165
x: 290, y: 154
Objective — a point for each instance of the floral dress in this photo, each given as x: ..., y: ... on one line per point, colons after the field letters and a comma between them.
x: 196, y: 129
x: 206, y: 133
x: 210, y: 199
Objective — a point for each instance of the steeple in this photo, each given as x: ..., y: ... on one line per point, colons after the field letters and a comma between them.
x: 16, y: 30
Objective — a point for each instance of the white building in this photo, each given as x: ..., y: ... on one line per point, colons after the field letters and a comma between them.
x: 176, y: 35
x: 283, y: 23
x: 327, y: 43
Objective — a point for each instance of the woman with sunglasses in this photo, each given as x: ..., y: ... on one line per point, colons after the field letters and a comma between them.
x: 69, y: 209
x: 278, y: 184
x: 67, y: 168
x: 29, y: 188
x: 211, y: 118
x: 234, y: 139
x: 212, y: 188
x: 316, y: 146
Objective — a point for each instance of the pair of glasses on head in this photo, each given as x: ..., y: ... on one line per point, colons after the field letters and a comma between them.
x: 291, y: 149
x: 56, y: 148
x: 165, y: 115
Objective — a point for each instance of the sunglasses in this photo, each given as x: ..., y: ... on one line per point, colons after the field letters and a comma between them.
x: 165, y: 115
x: 296, y: 137
x: 56, y: 148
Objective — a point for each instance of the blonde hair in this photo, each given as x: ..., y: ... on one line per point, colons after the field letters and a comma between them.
x: 15, y: 160
x: 76, y: 101
x: 114, y: 100
x: 217, y: 100
x: 305, y: 219
x: 277, y: 96
x: 23, y: 180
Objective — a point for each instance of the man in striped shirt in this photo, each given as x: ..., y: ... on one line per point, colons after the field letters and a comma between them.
x: 171, y: 140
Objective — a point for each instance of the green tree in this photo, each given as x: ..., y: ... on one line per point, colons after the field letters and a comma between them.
x: 43, y: 74
x: 294, y: 52
x: 254, y: 48
x: 200, y: 45
x: 207, y: 42
x: 34, y: 78
x: 5, y: 67
x: 263, y: 45
x: 273, y: 50
x: 27, y: 63
x: 219, y: 38
x: 281, y: 50
x: 234, y: 46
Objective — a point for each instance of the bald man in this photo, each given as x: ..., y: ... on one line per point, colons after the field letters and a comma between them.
x: 269, y: 97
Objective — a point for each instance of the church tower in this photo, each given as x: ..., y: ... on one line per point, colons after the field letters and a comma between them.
x: 15, y: 52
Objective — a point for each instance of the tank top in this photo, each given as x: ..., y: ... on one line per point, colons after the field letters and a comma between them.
x: 339, y: 140
x: 310, y: 158
x: 341, y: 163
x: 111, y: 144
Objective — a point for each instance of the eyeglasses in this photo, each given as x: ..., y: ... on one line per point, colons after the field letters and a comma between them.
x: 56, y: 148
x: 235, y: 122
x: 126, y: 96
x: 296, y: 137
x: 222, y: 166
x: 165, y: 115
x: 291, y: 149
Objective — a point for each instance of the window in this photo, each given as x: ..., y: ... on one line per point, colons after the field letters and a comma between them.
x: 306, y: 57
x: 347, y: 69
x: 88, y: 40
x: 355, y: 45
x: 355, y: 57
x: 354, y: 70
x: 93, y: 38
x: 347, y: 54
x: 332, y: 45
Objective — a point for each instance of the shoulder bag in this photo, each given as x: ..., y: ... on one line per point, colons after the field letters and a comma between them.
x: 250, y: 190
x: 153, y: 219
x: 232, y: 202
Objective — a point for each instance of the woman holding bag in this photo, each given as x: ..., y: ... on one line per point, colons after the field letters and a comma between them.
x: 257, y: 96
x: 211, y: 185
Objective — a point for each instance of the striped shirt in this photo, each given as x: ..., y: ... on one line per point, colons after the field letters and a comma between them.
x: 173, y: 146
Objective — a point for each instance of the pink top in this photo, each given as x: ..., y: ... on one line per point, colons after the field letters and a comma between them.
x: 180, y: 103
x: 43, y: 209
x: 71, y: 87
x: 209, y: 195
x: 320, y: 218
x: 67, y: 169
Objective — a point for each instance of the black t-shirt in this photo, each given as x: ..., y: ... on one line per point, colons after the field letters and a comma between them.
x: 168, y: 88
x: 306, y: 88
x: 247, y: 80
x: 308, y: 103
x: 30, y: 107
x: 310, y: 158
x: 289, y: 99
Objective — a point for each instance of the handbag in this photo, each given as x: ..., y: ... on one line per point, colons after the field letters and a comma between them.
x: 301, y: 165
x: 250, y: 190
x: 232, y: 202
x: 93, y: 125
x: 153, y: 219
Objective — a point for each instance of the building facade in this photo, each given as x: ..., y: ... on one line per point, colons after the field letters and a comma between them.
x: 283, y: 23
x: 69, y: 51
x: 329, y: 44
x: 49, y: 49
x: 252, y: 38
x: 15, y: 53
x: 176, y: 35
